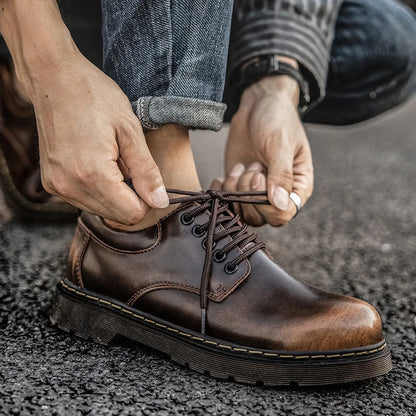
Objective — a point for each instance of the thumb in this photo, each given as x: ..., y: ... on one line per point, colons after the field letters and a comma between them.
x: 145, y: 174
x: 280, y: 180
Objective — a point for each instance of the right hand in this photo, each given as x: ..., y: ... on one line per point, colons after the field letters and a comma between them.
x: 88, y: 138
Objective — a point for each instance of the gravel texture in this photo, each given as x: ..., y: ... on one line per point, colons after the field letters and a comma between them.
x: 357, y: 236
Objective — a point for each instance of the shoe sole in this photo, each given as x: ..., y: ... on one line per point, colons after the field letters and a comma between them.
x: 92, y: 316
x: 25, y: 208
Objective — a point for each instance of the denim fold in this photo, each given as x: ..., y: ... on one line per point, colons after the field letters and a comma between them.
x: 154, y: 112
x: 169, y: 58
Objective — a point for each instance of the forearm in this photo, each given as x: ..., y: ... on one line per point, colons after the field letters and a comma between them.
x: 36, y: 36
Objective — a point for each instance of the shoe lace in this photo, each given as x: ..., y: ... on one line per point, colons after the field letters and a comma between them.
x: 217, y: 205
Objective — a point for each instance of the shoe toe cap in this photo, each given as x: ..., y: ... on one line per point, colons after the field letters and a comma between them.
x: 344, y: 323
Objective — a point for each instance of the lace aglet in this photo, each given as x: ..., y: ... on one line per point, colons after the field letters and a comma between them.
x: 203, y: 320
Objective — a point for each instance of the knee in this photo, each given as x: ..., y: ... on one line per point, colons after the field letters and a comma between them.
x: 376, y: 40
x: 396, y: 38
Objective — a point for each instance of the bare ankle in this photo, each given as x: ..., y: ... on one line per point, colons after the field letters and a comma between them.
x: 171, y: 149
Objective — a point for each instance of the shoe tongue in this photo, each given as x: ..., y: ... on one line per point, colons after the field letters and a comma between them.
x: 230, y: 212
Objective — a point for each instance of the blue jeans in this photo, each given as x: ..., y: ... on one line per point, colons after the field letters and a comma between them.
x: 373, y: 62
x: 169, y: 57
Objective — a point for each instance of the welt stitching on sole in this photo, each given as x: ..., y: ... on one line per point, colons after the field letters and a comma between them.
x: 216, y: 344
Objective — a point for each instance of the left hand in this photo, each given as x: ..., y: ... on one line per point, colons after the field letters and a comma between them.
x: 267, y: 136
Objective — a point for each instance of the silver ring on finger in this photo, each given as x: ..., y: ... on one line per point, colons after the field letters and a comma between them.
x: 295, y: 198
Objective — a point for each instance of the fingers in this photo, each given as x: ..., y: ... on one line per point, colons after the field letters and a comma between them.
x: 123, y: 168
x: 107, y: 196
x: 303, y: 173
x: 280, y: 178
x: 231, y: 181
x: 216, y: 184
x: 252, y: 180
x: 241, y: 179
x: 119, y: 199
x: 143, y: 170
x: 258, y: 215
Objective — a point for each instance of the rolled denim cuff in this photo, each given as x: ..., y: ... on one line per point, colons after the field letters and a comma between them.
x: 154, y: 112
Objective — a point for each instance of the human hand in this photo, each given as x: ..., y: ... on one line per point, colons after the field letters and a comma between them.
x: 88, y: 138
x: 267, y: 137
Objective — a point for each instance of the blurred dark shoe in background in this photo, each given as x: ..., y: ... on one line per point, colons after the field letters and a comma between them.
x: 19, y: 156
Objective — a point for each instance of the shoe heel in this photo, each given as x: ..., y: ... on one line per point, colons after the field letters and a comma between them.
x: 83, y: 320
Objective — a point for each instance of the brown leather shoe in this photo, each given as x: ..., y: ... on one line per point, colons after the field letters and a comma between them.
x: 201, y: 288
x: 19, y: 156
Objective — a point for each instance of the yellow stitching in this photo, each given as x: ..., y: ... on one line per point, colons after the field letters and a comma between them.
x: 126, y: 311
x: 216, y: 343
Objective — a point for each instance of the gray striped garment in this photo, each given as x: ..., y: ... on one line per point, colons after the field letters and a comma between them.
x: 301, y: 29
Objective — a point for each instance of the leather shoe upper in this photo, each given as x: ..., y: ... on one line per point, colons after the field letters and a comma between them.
x: 257, y: 304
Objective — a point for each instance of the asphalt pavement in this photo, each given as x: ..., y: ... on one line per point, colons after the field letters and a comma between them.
x: 356, y: 236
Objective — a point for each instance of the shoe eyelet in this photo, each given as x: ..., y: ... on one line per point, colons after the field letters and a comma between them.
x: 204, y: 244
x: 230, y: 268
x: 219, y: 256
x: 197, y: 231
x: 187, y: 219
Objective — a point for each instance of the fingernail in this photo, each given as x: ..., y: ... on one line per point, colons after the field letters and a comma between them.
x: 255, y: 167
x: 160, y: 197
x: 256, y: 181
x: 280, y: 198
x: 237, y: 170
x: 220, y: 180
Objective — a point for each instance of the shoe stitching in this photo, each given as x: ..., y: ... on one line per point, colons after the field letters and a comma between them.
x: 178, y: 286
x: 167, y: 285
x: 80, y: 259
x: 119, y: 251
x: 145, y: 289
x: 216, y: 344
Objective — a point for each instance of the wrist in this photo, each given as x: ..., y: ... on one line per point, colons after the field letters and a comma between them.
x: 280, y: 87
x: 273, y: 75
